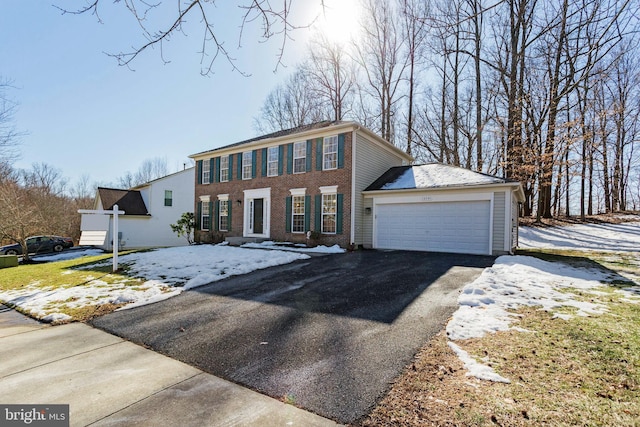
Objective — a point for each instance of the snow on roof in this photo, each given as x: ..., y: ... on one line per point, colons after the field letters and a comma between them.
x: 438, y: 175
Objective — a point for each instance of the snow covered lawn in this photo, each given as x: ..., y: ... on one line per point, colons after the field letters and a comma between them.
x: 600, y: 237
x: 160, y: 274
x: 487, y: 305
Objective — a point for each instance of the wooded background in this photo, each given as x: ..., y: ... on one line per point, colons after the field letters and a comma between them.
x: 540, y: 91
x: 543, y: 92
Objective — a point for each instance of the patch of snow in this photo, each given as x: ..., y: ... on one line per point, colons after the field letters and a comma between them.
x: 475, y: 368
x: 437, y: 175
x: 167, y: 272
x: 517, y: 281
x: 69, y: 254
x: 268, y: 244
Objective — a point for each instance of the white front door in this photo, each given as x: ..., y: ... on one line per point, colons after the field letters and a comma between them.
x: 257, y: 213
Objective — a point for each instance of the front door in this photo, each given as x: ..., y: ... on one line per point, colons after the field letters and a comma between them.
x: 257, y: 213
x: 258, y: 216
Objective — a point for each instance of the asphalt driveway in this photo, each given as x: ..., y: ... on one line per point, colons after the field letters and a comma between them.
x: 328, y: 334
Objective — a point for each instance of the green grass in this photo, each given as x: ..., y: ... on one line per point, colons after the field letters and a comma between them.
x: 68, y: 274
x: 60, y: 273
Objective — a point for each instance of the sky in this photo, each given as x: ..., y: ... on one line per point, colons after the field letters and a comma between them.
x: 82, y: 113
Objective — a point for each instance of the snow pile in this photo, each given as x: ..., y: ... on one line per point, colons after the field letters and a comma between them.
x: 438, y: 175
x: 602, y: 237
x: 335, y: 249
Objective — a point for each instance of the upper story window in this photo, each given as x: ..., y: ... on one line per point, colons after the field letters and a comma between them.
x: 272, y: 161
x: 168, y: 198
x: 247, y: 158
x: 206, y: 172
x: 224, y: 168
x: 299, y: 157
x: 330, y: 153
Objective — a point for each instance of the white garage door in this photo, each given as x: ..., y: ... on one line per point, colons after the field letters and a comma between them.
x: 461, y: 227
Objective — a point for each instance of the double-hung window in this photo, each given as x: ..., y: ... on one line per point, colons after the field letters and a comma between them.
x: 224, y: 168
x: 272, y: 161
x: 329, y: 213
x: 297, y: 214
x: 299, y: 157
x: 168, y: 198
x: 330, y: 153
x: 223, y: 213
x: 206, y: 172
x: 205, y: 216
x: 247, y: 159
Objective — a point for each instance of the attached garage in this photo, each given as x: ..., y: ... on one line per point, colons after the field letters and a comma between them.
x: 441, y: 208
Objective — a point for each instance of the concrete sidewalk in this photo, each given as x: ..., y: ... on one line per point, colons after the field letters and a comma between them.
x: 109, y: 381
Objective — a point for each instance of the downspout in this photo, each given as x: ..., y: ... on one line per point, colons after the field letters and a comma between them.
x: 353, y: 185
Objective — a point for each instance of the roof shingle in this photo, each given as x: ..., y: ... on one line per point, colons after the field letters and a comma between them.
x: 130, y: 201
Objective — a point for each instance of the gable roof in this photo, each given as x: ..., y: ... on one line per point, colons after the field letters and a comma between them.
x: 130, y: 201
x: 431, y: 176
x: 279, y: 134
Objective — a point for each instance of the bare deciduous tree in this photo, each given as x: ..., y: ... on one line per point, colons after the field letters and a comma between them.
x: 290, y: 105
x: 272, y: 18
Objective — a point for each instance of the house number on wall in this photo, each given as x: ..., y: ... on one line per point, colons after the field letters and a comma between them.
x: 426, y: 198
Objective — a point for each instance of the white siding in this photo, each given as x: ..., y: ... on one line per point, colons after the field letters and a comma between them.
x: 154, y: 230
x: 371, y: 161
x: 499, y: 225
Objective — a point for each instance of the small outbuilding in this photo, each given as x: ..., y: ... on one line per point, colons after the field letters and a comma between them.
x: 441, y: 208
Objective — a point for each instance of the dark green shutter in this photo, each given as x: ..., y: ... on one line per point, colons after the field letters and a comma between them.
x: 229, y: 204
x: 211, y: 169
x: 240, y: 162
x: 319, y: 154
x: 216, y: 178
x: 307, y: 212
x: 287, y: 214
x: 318, y: 213
x: 215, y: 221
x: 198, y: 217
x: 308, y: 154
x: 289, y: 159
x: 280, y: 159
x: 265, y: 154
x: 230, y: 167
x: 339, y: 201
x: 341, y: 151
x: 254, y: 163
x: 199, y: 171
x: 211, y: 216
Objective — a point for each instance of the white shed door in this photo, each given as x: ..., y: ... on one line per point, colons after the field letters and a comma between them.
x: 460, y: 227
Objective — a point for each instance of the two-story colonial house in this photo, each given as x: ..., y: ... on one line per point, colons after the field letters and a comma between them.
x: 292, y: 184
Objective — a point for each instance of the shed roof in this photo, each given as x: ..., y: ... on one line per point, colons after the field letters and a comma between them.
x: 432, y: 175
x: 130, y: 201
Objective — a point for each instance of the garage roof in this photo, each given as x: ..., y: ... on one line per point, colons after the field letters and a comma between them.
x: 432, y: 175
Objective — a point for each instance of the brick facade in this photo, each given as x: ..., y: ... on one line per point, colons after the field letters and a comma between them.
x: 280, y: 187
